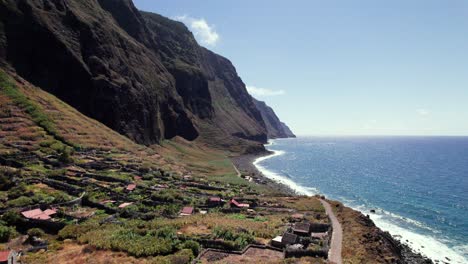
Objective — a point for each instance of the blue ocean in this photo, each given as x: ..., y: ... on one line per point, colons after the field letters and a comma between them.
x: 417, y: 185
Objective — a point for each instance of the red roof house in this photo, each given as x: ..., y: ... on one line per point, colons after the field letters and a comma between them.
x: 131, y: 187
x: 7, y: 257
x: 186, y: 211
x: 39, y: 214
x: 214, y: 200
x: 239, y: 205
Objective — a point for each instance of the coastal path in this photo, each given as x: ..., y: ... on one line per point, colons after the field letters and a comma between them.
x: 334, y: 254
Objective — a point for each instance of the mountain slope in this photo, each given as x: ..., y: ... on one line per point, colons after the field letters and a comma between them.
x: 275, y: 128
x: 139, y: 73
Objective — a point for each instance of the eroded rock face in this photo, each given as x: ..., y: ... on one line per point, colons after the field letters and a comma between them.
x: 275, y: 128
x: 141, y: 74
x: 77, y: 51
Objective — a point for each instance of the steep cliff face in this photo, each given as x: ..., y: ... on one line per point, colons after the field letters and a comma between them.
x: 275, y: 128
x: 207, y: 82
x: 77, y: 51
x: 141, y: 74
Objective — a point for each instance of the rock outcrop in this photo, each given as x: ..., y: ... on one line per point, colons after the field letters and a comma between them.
x: 275, y: 128
x: 139, y: 73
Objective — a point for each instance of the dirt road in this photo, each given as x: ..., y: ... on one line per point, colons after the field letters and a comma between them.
x: 334, y: 255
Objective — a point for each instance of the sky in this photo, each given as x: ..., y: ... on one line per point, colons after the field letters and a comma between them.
x: 363, y: 67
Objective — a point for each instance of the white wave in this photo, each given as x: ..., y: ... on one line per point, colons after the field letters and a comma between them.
x: 431, y: 247
x: 279, y: 178
x: 424, y: 244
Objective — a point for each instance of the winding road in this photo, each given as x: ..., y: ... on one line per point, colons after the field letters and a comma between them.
x: 334, y: 254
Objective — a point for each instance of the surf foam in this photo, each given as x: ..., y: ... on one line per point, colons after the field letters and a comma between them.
x: 278, y: 177
x: 424, y: 244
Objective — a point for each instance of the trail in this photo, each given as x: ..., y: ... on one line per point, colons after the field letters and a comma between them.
x: 334, y: 254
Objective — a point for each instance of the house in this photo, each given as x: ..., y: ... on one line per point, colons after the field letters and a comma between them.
x: 289, y: 239
x: 187, y: 177
x: 8, y: 257
x: 38, y: 214
x: 214, y: 201
x: 131, y: 187
x: 302, y: 229
x: 237, y: 204
x: 124, y: 205
x: 284, y: 240
x: 107, y: 202
x: 186, y: 211
x: 297, y: 217
x: 320, y: 235
x: 137, y: 178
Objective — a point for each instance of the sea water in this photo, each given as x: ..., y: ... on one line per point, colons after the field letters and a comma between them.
x: 418, y: 186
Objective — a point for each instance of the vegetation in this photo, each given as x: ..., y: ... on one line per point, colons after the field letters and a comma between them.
x: 36, y: 113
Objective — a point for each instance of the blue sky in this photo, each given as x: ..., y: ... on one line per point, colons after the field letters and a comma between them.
x: 367, y: 67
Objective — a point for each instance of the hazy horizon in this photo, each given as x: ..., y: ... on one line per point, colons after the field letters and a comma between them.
x: 342, y: 68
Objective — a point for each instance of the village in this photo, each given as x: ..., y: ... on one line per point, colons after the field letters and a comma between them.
x: 290, y: 226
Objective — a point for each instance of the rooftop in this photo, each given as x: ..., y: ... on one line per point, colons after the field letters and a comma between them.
x: 187, y: 211
x: 131, y: 187
x: 4, y: 255
x: 39, y: 214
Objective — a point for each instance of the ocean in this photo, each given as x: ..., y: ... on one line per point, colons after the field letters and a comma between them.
x: 417, y: 185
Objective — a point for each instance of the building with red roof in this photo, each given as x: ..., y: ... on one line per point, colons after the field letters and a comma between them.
x: 186, y: 211
x: 131, y: 187
x: 239, y: 205
x: 38, y: 214
x: 8, y: 257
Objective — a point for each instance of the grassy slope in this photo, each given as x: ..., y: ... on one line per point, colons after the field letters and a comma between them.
x: 36, y: 125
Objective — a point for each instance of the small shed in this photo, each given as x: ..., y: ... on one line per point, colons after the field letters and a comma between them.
x: 277, y: 241
x: 239, y: 205
x: 302, y: 229
x: 297, y: 217
x: 289, y: 239
x: 8, y: 257
x: 214, y: 201
x: 186, y: 211
x: 131, y: 187
x: 124, y: 205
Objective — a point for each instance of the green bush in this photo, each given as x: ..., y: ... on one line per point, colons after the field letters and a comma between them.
x: 12, y: 218
x: 6, y: 233
x: 17, y: 191
x: 35, y: 232
x: 74, y: 231
x: 192, y: 245
x: 65, y: 154
x: 240, y: 238
x: 20, y: 202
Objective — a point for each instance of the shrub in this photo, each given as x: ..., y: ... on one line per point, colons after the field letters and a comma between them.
x: 74, y: 231
x: 6, y: 232
x: 192, y: 245
x: 65, y: 154
x: 12, y: 218
x: 17, y: 191
x: 35, y: 232
x: 20, y: 202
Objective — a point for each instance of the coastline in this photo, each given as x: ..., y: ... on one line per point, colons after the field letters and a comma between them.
x: 248, y: 165
x: 245, y: 165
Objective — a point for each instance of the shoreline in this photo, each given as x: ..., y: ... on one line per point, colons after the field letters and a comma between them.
x: 246, y: 165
